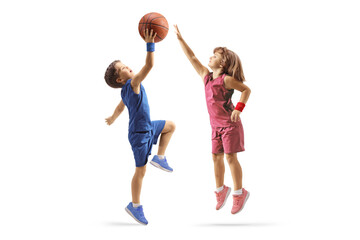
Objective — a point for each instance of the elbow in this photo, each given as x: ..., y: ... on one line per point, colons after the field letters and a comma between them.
x: 249, y: 91
x: 148, y: 67
x: 119, y: 109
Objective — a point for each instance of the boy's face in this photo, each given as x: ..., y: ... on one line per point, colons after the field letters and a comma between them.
x: 124, y: 72
x: 215, y: 61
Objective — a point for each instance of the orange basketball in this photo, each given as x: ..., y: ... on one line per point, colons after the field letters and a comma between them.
x: 157, y: 23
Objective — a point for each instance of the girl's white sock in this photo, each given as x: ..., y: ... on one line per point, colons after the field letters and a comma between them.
x: 238, y: 192
x: 220, y: 189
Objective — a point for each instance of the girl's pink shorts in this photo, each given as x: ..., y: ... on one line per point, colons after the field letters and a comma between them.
x: 228, y: 139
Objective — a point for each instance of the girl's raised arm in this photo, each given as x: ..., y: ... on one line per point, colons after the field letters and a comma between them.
x: 200, y: 69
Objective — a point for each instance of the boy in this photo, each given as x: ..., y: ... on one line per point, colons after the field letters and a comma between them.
x: 143, y: 132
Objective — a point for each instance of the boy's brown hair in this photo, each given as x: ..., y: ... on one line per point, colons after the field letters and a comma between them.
x: 111, y: 75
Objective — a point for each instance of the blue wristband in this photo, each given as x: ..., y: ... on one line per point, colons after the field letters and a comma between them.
x: 150, y: 47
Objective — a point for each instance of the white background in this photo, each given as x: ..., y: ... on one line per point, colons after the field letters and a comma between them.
x: 65, y: 174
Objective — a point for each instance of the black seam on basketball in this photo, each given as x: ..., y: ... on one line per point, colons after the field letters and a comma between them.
x: 148, y: 19
x: 157, y: 18
x: 141, y: 29
x: 156, y: 25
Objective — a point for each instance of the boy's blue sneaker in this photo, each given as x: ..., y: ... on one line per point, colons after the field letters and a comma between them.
x: 136, y: 213
x: 161, y: 163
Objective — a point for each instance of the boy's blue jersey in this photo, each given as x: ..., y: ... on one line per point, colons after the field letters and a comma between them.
x: 138, y: 106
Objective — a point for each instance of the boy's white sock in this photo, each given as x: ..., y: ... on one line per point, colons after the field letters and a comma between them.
x: 238, y: 192
x: 161, y: 156
x: 220, y: 189
x: 135, y: 205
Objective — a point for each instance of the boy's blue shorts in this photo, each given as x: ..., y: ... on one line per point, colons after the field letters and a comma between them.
x: 141, y: 142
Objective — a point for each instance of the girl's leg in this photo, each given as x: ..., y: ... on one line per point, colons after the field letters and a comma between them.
x: 136, y: 183
x: 219, y: 168
x: 236, y: 171
x: 165, y: 136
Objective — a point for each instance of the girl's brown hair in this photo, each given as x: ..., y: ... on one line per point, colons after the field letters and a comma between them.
x: 232, y: 64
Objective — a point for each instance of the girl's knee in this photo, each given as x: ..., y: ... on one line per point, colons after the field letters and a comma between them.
x: 218, y: 157
x: 231, y: 157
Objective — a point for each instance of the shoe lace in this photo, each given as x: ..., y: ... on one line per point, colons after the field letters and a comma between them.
x: 237, y: 200
x: 165, y: 162
x: 140, y: 211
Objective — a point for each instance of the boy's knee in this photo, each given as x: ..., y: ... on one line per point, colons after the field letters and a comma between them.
x: 140, y: 171
x: 172, y: 126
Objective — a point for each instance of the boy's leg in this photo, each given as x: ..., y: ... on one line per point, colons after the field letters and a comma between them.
x: 219, y: 168
x: 165, y: 136
x: 236, y: 171
x: 136, y: 183
x: 134, y: 209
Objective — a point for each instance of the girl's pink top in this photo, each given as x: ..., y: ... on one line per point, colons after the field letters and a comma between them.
x: 218, y: 100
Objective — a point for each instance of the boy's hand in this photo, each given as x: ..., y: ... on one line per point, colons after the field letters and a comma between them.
x: 235, y: 116
x: 109, y: 120
x: 149, y: 37
x: 177, y: 32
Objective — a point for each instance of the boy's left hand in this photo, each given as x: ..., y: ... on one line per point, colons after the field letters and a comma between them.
x: 109, y: 120
x: 149, y: 36
x: 235, y: 116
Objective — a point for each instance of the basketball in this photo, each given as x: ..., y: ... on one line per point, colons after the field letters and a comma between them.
x: 157, y: 23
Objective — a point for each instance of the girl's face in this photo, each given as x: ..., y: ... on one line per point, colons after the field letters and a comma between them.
x: 124, y: 72
x: 215, y: 61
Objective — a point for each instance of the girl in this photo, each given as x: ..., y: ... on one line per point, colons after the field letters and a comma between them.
x: 227, y: 130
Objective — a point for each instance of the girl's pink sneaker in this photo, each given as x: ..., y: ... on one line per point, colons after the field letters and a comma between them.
x: 222, y: 196
x: 239, y: 201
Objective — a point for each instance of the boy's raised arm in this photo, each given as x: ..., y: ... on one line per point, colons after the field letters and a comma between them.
x: 149, y: 62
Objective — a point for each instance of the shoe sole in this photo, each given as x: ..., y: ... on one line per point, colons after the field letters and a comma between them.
x: 129, y: 212
x: 158, y: 166
x: 247, y: 196
x: 227, y: 195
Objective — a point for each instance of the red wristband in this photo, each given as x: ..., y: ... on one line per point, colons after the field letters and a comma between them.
x: 240, y: 106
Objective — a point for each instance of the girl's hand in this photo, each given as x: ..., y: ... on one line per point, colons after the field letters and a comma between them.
x: 149, y: 37
x: 235, y: 116
x: 177, y: 32
x: 109, y: 120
